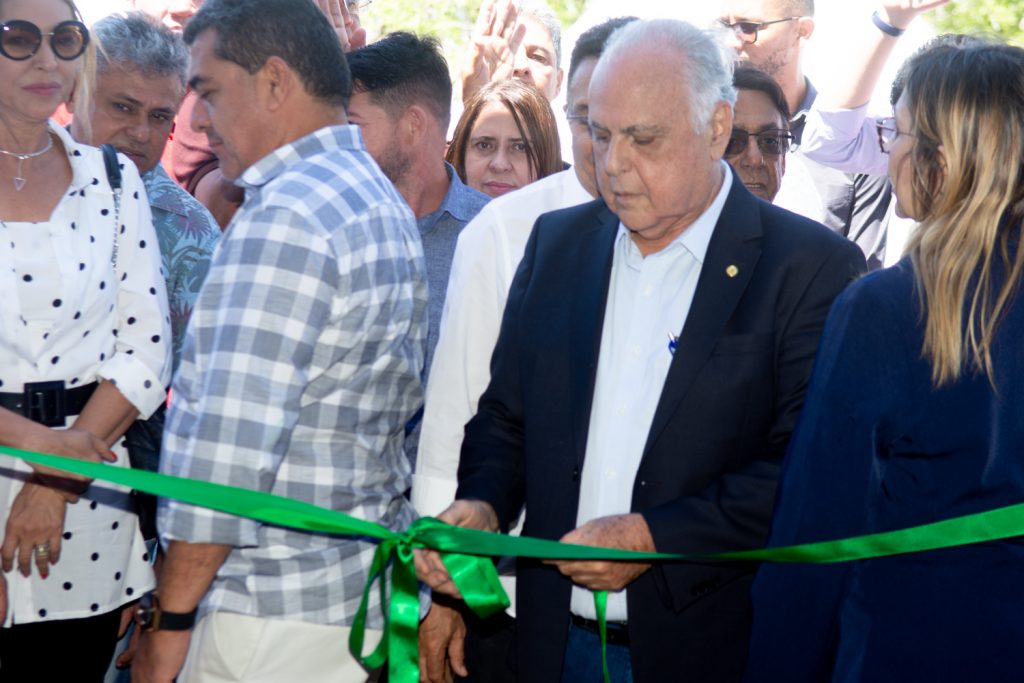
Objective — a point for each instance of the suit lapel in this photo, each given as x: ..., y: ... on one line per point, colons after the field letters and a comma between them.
x: 728, y: 266
x: 595, y: 251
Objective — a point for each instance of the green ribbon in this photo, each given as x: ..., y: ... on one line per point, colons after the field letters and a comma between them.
x: 467, y: 552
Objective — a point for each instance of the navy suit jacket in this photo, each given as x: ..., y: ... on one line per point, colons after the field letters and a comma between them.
x: 707, y: 478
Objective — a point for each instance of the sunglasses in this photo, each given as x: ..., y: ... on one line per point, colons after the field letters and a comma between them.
x: 746, y: 31
x: 20, y: 40
x: 771, y: 142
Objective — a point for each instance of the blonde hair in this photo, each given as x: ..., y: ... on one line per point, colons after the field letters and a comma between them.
x: 967, y: 185
x: 81, y: 93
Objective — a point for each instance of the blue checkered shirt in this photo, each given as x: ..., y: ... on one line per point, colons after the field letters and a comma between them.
x: 300, y: 369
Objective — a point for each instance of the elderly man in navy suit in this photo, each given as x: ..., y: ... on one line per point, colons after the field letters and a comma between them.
x: 652, y: 361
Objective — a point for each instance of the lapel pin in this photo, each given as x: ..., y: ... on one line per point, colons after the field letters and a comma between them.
x: 732, y: 271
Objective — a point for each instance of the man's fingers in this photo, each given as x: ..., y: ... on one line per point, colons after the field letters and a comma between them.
x: 509, y: 14
x: 485, y: 19
x: 457, y: 650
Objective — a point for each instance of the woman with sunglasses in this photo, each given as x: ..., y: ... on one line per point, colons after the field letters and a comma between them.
x: 83, y: 351
x: 915, y: 411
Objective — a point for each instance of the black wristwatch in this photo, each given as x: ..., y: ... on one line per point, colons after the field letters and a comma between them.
x: 150, y: 617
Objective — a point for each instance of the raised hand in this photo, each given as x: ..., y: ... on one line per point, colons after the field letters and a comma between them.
x: 351, y: 35
x: 492, y: 50
x: 901, y: 12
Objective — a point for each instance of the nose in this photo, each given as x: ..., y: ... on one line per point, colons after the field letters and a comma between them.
x: 751, y: 155
x: 521, y: 67
x: 616, y: 157
x: 200, y: 120
x: 139, y: 129
x: 732, y: 39
x: 499, y: 162
x: 45, y: 56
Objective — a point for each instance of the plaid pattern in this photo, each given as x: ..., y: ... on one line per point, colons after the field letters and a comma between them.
x: 300, y: 368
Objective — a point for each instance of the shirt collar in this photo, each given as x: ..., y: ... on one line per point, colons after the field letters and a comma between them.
x: 80, y: 175
x: 156, y: 179
x: 340, y: 137
x: 460, y: 200
x: 796, y: 122
x: 697, y: 236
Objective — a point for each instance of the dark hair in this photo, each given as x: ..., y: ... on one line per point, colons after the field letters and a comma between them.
x: 532, y: 115
x: 945, y: 41
x: 591, y: 42
x: 402, y: 69
x: 249, y: 32
x: 747, y: 77
x: 137, y: 42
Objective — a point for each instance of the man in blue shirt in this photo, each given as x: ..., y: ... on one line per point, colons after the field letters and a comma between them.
x: 401, y: 101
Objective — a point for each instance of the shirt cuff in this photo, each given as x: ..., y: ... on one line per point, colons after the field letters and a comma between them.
x: 136, y: 382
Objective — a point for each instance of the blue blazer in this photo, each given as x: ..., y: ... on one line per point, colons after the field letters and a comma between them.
x: 707, y: 478
x: 879, y: 448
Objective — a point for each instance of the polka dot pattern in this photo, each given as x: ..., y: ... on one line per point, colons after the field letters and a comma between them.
x: 71, y: 306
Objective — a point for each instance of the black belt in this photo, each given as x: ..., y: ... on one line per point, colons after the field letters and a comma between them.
x: 618, y: 631
x: 48, y: 403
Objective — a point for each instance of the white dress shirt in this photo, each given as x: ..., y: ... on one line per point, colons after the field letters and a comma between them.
x: 648, y: 301
x: 486, y: 258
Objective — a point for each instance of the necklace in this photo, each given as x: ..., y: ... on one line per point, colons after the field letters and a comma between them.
x: 19, y: 180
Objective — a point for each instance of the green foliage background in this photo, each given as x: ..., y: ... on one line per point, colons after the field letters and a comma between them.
x: 450, y: 21
x: 997, y: 18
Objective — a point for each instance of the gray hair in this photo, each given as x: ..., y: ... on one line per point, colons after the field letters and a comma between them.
x: 137, y: 42
x: 706, y: 69
x: 542, y: 14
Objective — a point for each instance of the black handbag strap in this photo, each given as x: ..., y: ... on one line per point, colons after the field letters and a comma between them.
x: 113, y: 166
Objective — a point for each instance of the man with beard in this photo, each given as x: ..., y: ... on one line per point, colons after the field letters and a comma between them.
x: 771, y: 35
x: 401, y: 101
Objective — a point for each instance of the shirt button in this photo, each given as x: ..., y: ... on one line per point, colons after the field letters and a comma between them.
x: 636, y: 351
x: 648, y: 290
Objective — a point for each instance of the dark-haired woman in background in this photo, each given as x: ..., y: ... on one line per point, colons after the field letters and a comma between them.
x: 506, y: 138
x: 915, y: 411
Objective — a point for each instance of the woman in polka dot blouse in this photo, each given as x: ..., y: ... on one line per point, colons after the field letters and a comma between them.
x: 84, y: 350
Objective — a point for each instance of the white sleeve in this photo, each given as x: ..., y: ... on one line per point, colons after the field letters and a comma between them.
x: 473, y: 308
x: 141, y: 363
x: 844, y: 139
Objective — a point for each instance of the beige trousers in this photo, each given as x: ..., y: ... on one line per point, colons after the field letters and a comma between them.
x: 231, y: 648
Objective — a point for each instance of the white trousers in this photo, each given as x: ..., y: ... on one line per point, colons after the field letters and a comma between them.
x: 231, y: 648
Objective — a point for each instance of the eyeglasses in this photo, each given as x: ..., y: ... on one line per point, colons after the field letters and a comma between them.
x: 772, y: 143
x: 887, y: 133
x: 581, y: 120
x: 746, y: 31
x: 20, y: 40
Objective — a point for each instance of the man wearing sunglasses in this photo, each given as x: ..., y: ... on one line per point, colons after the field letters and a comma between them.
x: 771, y: 35
x: 760, y: 134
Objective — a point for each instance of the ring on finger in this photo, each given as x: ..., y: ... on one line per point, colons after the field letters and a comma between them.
x: 41, y: 551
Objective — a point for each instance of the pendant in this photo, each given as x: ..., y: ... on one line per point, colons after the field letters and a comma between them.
x: 19, y: 183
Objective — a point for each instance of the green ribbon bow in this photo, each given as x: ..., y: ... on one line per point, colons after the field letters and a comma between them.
x: 467, y: 552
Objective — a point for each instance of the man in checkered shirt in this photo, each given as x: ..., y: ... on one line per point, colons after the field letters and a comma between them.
x: 301, y: 363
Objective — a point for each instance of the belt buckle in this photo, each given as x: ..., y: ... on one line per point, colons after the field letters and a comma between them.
x: 44, y: 403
